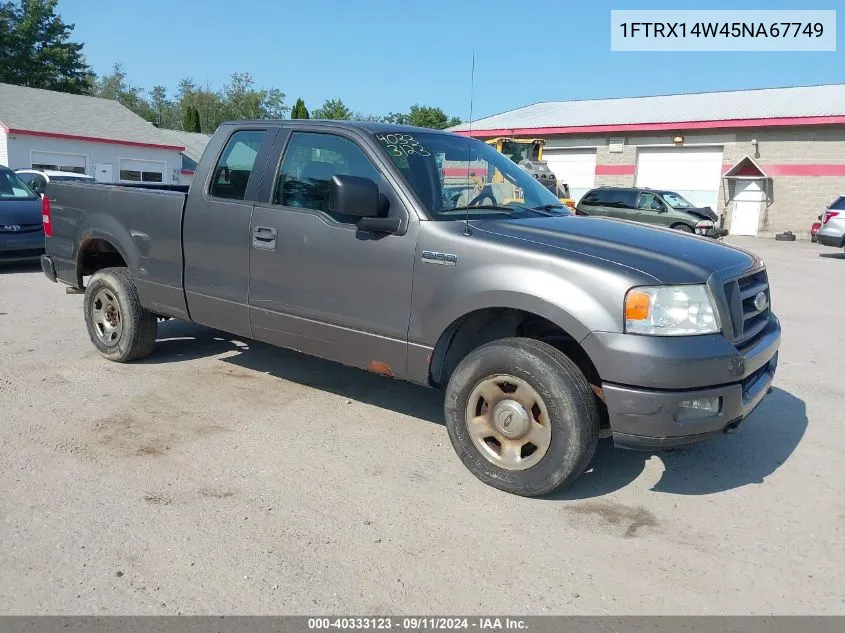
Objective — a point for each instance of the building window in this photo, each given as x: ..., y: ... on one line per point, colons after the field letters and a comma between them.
x: 70, y: 168
x: 134, y: 175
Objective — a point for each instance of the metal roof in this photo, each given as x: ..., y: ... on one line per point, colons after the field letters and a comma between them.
x: 765, y: 103
x: 194, y: 142
x: 60, y: 114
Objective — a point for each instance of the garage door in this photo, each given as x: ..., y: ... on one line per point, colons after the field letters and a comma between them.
x: 60, y: 162
x: 141, y: 170
x: 575, y: 167
x: 693, y: 172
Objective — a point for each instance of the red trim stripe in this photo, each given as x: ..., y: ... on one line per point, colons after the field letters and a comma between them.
x: 797, y: 169
x: 187, y: 172
x: 464, y: 171
x: 615, y: 170
x: 93, y: 139
x: 652, y: 127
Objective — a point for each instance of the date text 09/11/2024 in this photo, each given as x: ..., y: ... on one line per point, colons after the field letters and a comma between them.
x: 716, y: 29
x: 417, y: 623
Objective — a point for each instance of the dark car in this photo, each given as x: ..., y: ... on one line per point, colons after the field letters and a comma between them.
x: 651, y: 206
x: 21, y: 230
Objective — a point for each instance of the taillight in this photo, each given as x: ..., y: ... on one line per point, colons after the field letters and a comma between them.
x: 46, y: 216
x: 829, y: 214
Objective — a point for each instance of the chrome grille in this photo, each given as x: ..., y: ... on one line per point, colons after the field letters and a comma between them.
x: 747, y: 318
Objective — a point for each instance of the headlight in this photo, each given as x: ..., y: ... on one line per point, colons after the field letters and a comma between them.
x: 670, y: 311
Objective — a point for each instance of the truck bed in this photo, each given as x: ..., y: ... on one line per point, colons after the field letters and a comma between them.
x: 147, y: 217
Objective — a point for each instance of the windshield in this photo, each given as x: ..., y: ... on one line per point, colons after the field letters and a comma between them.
x: 455, y: 177
x: 675, y: 201
x: 520, y: 151
x: 13, y: 188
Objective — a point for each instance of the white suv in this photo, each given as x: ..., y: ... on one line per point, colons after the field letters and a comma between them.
x: 832, y: 232
x: 37, y: 179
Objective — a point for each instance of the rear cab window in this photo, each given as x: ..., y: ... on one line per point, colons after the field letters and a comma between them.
x: 231, y: 174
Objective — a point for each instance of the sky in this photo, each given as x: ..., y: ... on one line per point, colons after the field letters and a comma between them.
x: 382, y: 56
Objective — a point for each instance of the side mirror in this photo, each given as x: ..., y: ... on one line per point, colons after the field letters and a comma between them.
x: 355, y: 196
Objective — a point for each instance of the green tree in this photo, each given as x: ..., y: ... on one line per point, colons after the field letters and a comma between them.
x: 166, y: 112
x: 241, y: 100
x: 191, y: 120
x: 431, y: 117
x: 399, y: 118
x: 362, y: 116
x: 36, y: 49
x: 333, y: 109
x: 207, y: 103
x: 116, y: 86
x: 299, y: 110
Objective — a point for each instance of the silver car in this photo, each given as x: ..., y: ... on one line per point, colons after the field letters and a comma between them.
x: 832, y: 232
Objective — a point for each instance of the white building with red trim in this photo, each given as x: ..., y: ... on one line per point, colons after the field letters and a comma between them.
x: 54, y: 130
x: 769, y: 160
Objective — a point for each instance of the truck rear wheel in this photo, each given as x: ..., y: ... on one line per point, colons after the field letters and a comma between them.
x: 521, y: 416
x: 120, y: 328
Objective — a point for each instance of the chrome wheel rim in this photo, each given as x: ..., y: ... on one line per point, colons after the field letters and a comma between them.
x: 508, y: 422
x: 106, y: 317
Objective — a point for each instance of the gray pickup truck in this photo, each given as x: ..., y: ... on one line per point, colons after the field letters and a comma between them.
x: 432, y: 258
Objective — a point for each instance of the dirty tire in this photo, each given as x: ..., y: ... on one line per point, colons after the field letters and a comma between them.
x: 683, y: 228
x: 573, y: 415
x: 138, y: 325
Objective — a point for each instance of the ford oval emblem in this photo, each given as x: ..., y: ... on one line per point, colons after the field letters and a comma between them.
x: 760, y: 301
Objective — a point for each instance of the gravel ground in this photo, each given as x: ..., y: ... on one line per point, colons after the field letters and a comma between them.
x: 225, y: 476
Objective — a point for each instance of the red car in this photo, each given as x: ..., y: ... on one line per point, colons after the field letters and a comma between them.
x: 815, y: 229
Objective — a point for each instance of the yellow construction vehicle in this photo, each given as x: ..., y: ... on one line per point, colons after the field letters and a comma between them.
x: 528, y: 154
x: 518, y: 149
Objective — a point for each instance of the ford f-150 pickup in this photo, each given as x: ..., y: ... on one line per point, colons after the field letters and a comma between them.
x: 430, y: 257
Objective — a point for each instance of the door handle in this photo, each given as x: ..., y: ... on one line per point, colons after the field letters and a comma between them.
x: 264, y: 237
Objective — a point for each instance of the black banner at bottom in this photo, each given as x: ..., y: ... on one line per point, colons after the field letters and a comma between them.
x: 526, y: 624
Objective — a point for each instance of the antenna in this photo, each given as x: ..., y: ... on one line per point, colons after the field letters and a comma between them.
x: 469, y: 145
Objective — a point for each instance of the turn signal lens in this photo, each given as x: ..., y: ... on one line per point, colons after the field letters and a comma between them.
x: 637, y: 305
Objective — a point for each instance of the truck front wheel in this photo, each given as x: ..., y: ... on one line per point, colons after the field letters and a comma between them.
x: 121, y: 329
x: 521, y: 416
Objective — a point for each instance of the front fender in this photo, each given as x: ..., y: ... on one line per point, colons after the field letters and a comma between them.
x: 544, y: 293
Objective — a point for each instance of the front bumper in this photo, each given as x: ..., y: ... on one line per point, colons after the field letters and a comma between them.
x: 645, y: 380
x: 21, y: 247
x: 714, y: 232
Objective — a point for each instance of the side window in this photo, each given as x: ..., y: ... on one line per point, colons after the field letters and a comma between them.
x: 27, y: 178
x: 38, y: 184
x: 310, y: 161
x: 590, y: 199
x: 649, y: 202
x: 619, y: 198
x: 231, y: 174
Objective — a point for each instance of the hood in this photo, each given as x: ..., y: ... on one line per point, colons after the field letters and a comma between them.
x: 20, y: 212
x: 705, y: 213
x: 666, y: 255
